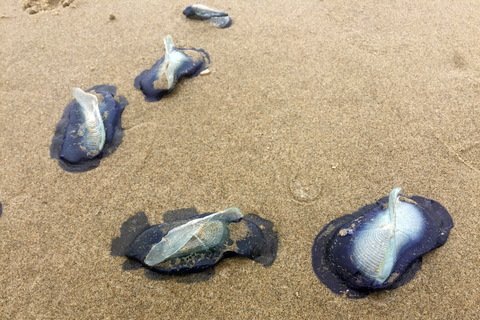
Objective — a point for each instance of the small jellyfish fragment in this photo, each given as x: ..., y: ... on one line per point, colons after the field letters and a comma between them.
x: 217, y: 18
x: 177, y: 63
x: 189, y: 245
x: 380, y: 246
x: 90, y: 128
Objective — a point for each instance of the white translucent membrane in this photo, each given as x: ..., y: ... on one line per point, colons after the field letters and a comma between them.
x: 217, y: 18
x: 220, y: 22
x: 206, y: 12
x: 92, y: 129
x: 378, y: 244
x: 172, y: 61
x: 195, y: 235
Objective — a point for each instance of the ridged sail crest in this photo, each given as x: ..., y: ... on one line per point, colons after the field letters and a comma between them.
x: 378, y: 243
x: 92, y: 130
x: 194, y: 236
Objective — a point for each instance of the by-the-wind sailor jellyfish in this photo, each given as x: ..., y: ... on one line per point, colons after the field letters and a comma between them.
x: 160, y: 79
x: 217, y: 18
x: 188, y: 245
x: 90, y: 128
x: 380, y: 246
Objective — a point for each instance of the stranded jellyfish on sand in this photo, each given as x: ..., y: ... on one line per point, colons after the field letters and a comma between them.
x: 90, y: 128
x: 160, y: 79
x: 380, y: 246
x: 189, y: 245
x: 217, y: 18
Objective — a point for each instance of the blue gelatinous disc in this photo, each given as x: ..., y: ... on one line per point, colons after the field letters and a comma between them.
x: 380, y: 246
x: 177, y: 63
x: 71, y: 143
x: 201, y: 12
x: 190, y: 243
x: 217, y: 18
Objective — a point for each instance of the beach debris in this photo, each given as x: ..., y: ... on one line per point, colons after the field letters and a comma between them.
x: 380, y: 246
x: 1, y: 209
x: 35, y: 6
x: 189, y: 245
x: 217, y: 18
x: 90, y: 128
x: 177, y: 63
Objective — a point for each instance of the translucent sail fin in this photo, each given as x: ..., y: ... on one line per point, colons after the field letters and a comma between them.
x: 391, y: 250
x: 93, y: 128
x: 169, y: 64
x: 195, y: 235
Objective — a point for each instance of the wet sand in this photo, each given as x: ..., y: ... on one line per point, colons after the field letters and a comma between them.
x: 311, y: 110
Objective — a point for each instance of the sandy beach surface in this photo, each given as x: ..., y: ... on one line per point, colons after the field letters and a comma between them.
x: 312, y: 109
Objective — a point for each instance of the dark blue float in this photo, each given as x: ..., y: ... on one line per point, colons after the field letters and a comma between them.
x: 90, y: 129
x: 189, y: 245
x: 379, y: 246
x: 217, y: 18
x: 177, y: 63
